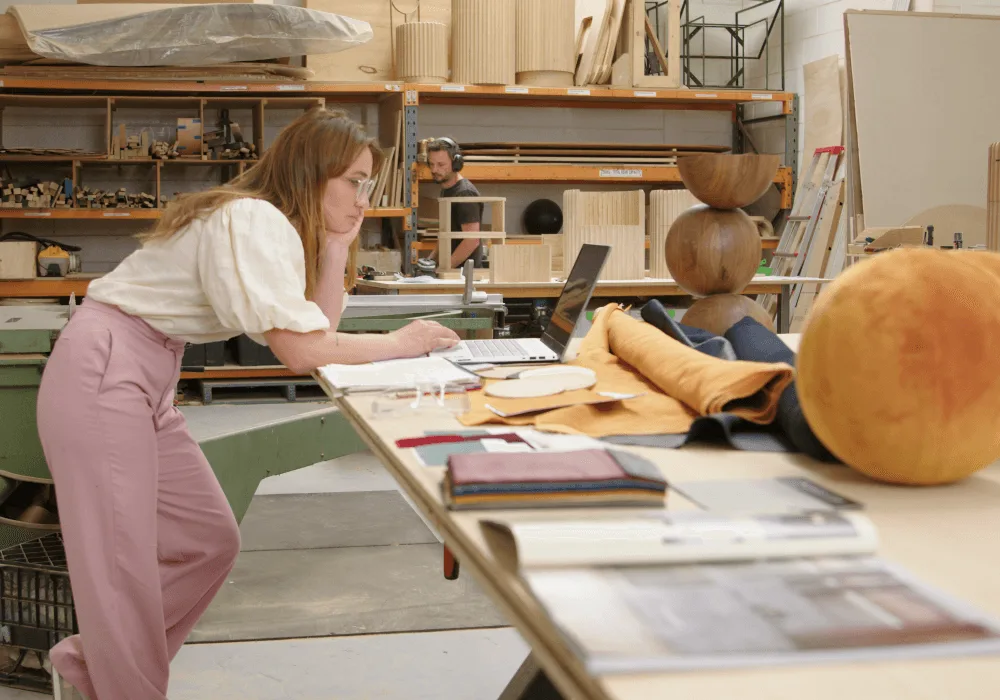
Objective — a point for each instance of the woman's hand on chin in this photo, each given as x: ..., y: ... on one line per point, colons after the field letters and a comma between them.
x: 343, y: 239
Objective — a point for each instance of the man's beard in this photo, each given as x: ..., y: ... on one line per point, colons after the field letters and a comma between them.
x: 439, y: 178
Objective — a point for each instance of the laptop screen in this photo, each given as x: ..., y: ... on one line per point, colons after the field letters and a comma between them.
x: 575, y: 296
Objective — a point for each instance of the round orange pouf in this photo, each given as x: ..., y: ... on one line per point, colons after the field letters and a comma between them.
x: 713, y: 251
x: 899, y: 365
x: 718, y: 313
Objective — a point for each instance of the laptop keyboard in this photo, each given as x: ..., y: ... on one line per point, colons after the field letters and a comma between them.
x: 494, y: 348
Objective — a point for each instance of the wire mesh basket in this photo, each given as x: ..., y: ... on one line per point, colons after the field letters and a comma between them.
x: 36, y: 601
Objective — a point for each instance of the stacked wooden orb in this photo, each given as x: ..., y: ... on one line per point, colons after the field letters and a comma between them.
x: 714, y: 250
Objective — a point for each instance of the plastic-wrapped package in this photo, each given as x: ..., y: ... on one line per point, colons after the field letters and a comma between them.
x: 184, y: 35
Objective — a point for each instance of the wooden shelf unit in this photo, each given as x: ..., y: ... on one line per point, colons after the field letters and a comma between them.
x: 196, y: 96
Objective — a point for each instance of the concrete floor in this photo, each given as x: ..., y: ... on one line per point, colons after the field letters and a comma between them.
x: 454, y: 664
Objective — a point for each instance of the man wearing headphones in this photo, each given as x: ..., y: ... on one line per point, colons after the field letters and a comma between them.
x: 444, y: 157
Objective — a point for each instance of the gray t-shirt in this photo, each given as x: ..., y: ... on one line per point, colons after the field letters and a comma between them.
x: 465, y: 214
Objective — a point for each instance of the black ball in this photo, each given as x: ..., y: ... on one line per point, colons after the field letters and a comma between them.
x: 542, y: 216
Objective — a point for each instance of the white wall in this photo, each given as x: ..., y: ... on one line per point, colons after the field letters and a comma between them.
x: 814, y: 29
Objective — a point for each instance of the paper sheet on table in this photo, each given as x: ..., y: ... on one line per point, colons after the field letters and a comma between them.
x: 396, y: 374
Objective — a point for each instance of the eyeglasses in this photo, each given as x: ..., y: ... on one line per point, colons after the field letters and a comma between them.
x: 363, y: 189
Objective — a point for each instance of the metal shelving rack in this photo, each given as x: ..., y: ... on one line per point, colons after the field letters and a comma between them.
x: 733, y: 101
x: 393, y: 97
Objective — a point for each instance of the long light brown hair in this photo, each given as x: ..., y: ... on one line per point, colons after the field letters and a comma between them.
x: 292, y: 175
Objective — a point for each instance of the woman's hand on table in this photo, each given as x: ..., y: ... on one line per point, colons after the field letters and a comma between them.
x: 421, y: 337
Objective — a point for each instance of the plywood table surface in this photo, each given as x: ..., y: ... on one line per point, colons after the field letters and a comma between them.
x: 944, y: 535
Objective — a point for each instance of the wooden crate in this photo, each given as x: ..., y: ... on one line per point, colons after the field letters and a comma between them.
x: 446, y: 235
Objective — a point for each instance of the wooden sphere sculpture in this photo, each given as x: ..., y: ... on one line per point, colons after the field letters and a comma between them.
x: 899, y: 365
x: 728, y: 181
x: 713, y: 251
x: 719, y: 312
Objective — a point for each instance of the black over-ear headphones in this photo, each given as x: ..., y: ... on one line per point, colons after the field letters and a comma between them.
x: 455, y: 151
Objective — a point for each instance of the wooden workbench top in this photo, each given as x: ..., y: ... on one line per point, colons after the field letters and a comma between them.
x: 942, y: 535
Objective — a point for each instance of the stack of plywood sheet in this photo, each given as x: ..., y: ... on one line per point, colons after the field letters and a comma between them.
x: 617, y: 219
x: 664, y: 208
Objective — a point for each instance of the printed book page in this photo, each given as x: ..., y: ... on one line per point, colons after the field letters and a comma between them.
x: 754, y: 613
x: 658, y: 536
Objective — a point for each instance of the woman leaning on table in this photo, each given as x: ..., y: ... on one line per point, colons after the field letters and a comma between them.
x: 149, y: 534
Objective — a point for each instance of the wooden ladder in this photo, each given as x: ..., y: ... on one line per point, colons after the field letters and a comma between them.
x: 789, y: 255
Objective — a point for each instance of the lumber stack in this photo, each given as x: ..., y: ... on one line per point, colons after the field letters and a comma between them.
x: 129, y: 147
x: 583, y: 153
x: 161, y: 150
x: 226, y: 141
x: 616, y: 219
x: 86, y: 198
x: 40, y: 195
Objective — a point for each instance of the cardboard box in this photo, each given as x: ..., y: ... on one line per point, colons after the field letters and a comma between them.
x: 189, y: 137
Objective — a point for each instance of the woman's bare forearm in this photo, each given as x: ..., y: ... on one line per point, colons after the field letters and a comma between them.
x: 304, y: 352
x: 329, y: 294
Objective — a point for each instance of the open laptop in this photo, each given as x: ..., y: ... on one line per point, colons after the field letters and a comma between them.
x: 551, y: 347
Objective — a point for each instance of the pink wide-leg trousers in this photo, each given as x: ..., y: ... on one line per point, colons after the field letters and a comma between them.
x: 149, y: 534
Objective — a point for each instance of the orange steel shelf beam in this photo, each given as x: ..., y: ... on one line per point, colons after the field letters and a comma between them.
x: 595, y: 96
x: 240, y: 373
x: 117, y: 214
x: 571, y: 174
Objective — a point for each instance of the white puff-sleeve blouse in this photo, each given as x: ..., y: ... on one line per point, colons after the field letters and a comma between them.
x: 240, y: 269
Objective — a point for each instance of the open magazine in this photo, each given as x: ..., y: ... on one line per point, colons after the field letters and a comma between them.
x: 665, y: 591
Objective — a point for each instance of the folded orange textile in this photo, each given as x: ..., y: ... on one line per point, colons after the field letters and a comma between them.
x: 678, y: 385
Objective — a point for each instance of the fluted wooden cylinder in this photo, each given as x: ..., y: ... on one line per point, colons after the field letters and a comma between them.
x: 422, y: 52
x: 483, y: 41
x: 664, y: 208
x: 546, y: 42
